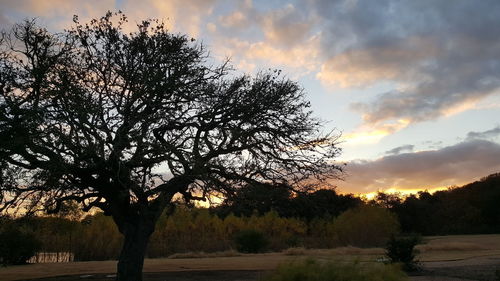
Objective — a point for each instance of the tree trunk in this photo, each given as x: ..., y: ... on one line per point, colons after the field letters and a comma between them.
x: 136, y: 233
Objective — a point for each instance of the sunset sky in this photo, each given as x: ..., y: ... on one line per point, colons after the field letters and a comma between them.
x: 413, y: 86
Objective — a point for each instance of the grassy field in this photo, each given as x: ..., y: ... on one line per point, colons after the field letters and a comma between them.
x: 439, y: 252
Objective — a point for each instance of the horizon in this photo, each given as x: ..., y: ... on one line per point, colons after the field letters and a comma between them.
x: 412, y: 87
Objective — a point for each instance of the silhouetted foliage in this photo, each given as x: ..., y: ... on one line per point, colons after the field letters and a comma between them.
x: 250, y: 241
x: 401, y: 249
x: 260, y: 198
x: 17, y: 246
x: 89, y: 115
x: 472, y: 208
x: 321, y: 203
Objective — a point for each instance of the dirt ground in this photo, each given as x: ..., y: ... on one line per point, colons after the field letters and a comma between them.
x: 220, y: 275
x: 442, y: 258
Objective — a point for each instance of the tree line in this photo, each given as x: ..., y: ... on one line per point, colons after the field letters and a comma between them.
x: 321, y: 219
x: 201, y: 230
x: 470, y: 209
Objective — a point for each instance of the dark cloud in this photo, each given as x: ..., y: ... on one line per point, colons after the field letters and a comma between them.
x: 443, y: 54
x: 399, y: 149
x: 489, y: 134
x: 453, y: 165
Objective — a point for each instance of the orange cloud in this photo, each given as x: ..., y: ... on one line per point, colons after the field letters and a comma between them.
x: 453, y: 165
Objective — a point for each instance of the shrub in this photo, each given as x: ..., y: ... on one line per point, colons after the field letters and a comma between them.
x: 311, y: 270
x: 365, y: 226
x: 402, y: 250
x: 250, y: 241
x: 16, y: 246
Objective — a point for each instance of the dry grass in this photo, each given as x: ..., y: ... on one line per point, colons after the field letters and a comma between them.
x: 297, y: 251
x: 457, y: 247
x: 349, y: 250
x: 486, y: 241
x: 451, y: 246
x: 340, y: 251
x: 197, y: 255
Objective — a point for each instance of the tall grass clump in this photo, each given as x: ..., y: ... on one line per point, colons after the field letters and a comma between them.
x: 312, y: 270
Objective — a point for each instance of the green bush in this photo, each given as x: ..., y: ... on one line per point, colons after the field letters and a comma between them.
x: 365, y: 226
x: 402, y: 250
x: 16, y: 246
x: 250, y: 241
x: 311, y: 270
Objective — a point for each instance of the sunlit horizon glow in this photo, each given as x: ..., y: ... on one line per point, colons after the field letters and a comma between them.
x: 401, y: 192
x: 412, y: 85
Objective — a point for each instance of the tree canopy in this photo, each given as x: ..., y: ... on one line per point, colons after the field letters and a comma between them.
x: 124, y: 121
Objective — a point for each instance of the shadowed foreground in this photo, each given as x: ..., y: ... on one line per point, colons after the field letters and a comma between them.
x: 226, y: 275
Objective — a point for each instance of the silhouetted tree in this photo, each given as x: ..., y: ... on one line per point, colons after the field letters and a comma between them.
x: 125, y: 121
x: 260, y: 198
x: 323, y: 203
x: 388, y: 200
x: 472, y: 208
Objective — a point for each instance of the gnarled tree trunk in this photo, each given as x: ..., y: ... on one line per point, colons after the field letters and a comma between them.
x: 136, y: 232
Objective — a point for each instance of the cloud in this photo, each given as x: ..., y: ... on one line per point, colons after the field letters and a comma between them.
x: 489, y: 134
x: 264, y: 37
x: 372, y: 134
x: 180, y: 15
x: 286, y: 27
x: 452, y: 165
x: 212, y: 27
x: 399, y: 149
x: 57, y: 13
x: 299, y: 59
x: 236, y: 19
x: 359, y: 67
x: 4, y: 22
x: 183, y: 15
x: 442, y: 58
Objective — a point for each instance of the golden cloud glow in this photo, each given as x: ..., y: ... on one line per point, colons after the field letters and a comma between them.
x: 370, y: 134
